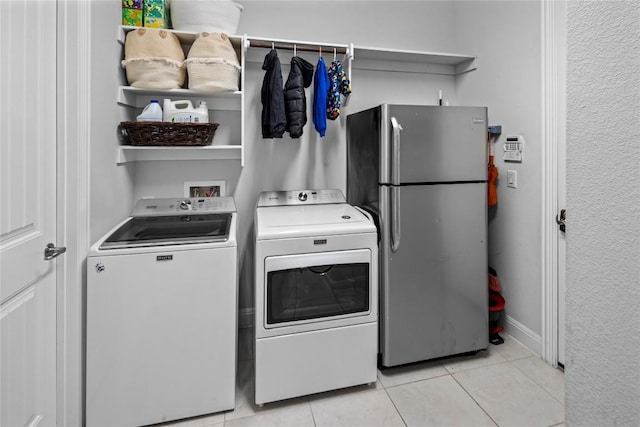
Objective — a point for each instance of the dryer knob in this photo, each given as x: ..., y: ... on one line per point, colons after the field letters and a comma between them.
x: 302, y: 196
x: 185, y: 205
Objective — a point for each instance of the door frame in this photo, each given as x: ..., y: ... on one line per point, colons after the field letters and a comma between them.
x: 554, y: 23
x: 72, y: 142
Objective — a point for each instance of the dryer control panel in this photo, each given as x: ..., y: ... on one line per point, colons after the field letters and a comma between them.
x: 300, y: 197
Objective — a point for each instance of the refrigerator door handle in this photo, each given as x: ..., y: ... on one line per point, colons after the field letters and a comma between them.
x: 395, y: 180
x: 395, y: 218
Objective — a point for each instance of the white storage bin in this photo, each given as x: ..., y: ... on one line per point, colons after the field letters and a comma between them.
x: 214, y: 16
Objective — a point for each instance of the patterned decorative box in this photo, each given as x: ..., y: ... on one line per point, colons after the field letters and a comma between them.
x: 132, y: 12
x: 132, y: 4
x: 155, y: 14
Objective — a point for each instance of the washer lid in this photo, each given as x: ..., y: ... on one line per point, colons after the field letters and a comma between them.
x: 170, y: 230
x: 279, y: 222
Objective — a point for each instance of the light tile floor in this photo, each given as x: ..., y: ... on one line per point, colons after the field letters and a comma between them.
x: 507, y: 385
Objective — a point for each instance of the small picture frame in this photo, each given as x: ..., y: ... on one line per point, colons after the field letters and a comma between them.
x: 205, y: 189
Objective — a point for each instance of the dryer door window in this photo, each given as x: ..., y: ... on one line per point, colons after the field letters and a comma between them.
x: 311, y: 287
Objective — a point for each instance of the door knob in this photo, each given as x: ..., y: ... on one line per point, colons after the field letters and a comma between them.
x: 52, y: 251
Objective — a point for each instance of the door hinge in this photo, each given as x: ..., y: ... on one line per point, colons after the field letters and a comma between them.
x: 562, y: 220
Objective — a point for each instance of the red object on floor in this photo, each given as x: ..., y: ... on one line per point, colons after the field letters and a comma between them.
x: 496, y: 307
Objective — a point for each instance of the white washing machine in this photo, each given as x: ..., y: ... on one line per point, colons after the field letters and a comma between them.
x: 161, y: 314
x: 316, y: 294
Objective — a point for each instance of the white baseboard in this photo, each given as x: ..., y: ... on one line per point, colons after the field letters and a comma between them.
x: 523, y: 334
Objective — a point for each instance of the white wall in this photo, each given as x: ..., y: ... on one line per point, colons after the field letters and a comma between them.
x: 506, y: 37
x: 602, y: 369
x: 418, y: 25
x: 111, y: 186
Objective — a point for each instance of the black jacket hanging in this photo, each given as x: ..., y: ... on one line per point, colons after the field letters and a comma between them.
x: 272, y: 97
x: 300, y: 77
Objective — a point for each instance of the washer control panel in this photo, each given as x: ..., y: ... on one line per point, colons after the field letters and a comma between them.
x: 184, y: 206
x: 300, y: 197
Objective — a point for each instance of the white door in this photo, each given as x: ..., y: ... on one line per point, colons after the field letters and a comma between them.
x: 27, y: 212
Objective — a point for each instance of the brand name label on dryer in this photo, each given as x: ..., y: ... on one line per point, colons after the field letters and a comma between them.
x: 320, y: 242
x: 164, y: 257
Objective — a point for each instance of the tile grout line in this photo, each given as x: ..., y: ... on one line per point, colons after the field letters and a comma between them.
x: 536, y: 382
x: 313, y: 418
x: 394, y: 404
x: 474, y: 400
x: 416, y: 381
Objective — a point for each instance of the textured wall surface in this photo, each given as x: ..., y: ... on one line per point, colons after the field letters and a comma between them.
x: 603, y: 191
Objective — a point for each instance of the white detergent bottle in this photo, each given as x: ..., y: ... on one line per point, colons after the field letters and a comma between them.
x: 183, y: 111
x: 151, y: 113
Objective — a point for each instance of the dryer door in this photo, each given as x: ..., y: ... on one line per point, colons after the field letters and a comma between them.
x: 304, y: 289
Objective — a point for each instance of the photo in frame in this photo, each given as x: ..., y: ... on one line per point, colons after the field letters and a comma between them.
x: 205, y: 189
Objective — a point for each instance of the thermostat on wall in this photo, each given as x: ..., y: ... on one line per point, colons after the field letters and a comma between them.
x: 513, y: 148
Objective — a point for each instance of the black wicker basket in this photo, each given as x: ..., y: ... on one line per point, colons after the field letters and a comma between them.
x: 168, y: 134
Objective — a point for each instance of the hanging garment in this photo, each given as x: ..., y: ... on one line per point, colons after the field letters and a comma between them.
x: 320, y: 91
x: 339, y: 85
x: 492, y: 176
x: 300, y: 77
x: 272, y: 96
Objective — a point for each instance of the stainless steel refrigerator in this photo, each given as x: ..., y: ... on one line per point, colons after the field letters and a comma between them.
x: 422, y: 172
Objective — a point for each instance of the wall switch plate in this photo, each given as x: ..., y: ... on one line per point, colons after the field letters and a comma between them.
x: 512, y: 178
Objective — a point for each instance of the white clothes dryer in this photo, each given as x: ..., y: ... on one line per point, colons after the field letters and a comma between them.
x: 161, y: 314
x: 316, y: 294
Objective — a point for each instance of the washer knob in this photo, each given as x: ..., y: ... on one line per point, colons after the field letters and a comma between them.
x: 185, y: 205
x: 302, y: 196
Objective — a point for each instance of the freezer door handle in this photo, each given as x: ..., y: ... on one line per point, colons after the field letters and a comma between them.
x: 395, y: 151
x: 395, y: 218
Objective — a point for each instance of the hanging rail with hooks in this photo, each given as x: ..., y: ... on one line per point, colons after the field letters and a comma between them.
x: 295, y: 45
x: 302, y: 46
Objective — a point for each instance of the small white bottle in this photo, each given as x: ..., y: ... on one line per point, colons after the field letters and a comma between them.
x: 151, y: 113
x: 202, y: 113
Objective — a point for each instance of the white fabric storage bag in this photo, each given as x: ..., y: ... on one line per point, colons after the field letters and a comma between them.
x: 154, y: 59
x: 212, y: 64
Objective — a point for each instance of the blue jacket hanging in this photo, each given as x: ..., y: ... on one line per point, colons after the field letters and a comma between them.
x: 320, y: 91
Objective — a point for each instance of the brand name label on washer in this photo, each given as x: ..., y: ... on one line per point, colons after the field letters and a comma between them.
x: 320, y: 242
x: 164, y: 257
